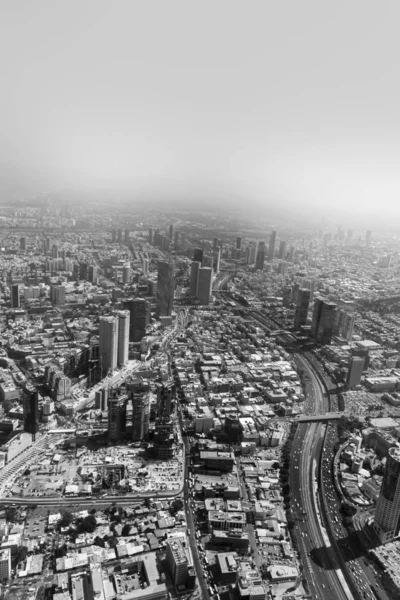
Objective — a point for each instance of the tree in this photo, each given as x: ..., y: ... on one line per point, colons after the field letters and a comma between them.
x: 125, y: 530
x: 66, y: 518
x: 99, y: 542
x: 176, y: 506
x: 113, y: 541
x: 22, y: 554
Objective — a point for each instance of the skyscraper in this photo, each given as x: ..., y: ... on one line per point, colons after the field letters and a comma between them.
x: 356, y: 367
x: 31, y: 411
x: 139, y: 309
x: 194, y: 278
x: 108, y: 349
x: 216, y: 259
x: 139, y: 391
x: 198, y: 255
x: 204, y: 288
x: 387, y: 512
x: 238, y: 243
x: 271, y: 246
x: 127, y: 236
x: 126, y: 273
x: 116, y: 417
x: 165, y: 289
x: 260, y: 256
x: 323, y: 320
x: 171, y: 232
x: 15, y: 297
x: 282, y: 249
x: 302, y: 306
x: 22, y: 243
x: 123, y: 336
x: 57, y: 294
x: 177, y: 240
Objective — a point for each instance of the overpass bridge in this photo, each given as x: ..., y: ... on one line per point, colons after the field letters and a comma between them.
x: 321, y: 418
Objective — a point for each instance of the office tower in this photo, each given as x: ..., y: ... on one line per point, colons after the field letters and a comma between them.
x: 15, y: 296
x: 150, y: 236
x: 282, y: 250
x: 271, y: 246
x: 385, y: 261
x: 194, y: 278
x: 238, y: 243
x: 104, y: 399
x: 291, y: 254
x: 126, y: 236
x: 114, y: 235
x: 178, y: 562
x: 177, y: 237
x: 302, y: 306
x: 97, y: 399
x: 120, y: 235
x: 204, y: 288
x: 281, y: 267
x: 62, y: 386
x: 260, y: 256
x: 145, y: 266
x: 126, y: 273
x: 164, y: 440
x: 54, y: 251
x: 5, y: 564
x: 108, y: 348
x: 171, y: 232
x: 387, y: 512
x: 216, y: 259
x: 215, y: 243
x: 287, y: 296
x: 356, y: 367
x: 368, y: 238
x: 116, y: 418
x: 139, y: 392
x: 31, y: 411
x: 57, y: 294
x: 323, y: 320
x: 123, y: 336
x: 207, y: 261
x: 92, y: 273
x: 140, y: 315
x: 22, y: 243
x: 198, y: 255
x: 165, y: 289
x: 344, y: 325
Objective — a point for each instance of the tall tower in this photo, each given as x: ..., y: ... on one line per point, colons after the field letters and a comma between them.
x: 302, y: 305
x: 356, y: 368
x: 31, y: 411
x: 271, y: 246
x: 260, y: 256
x: 123, y: 336
x: 204, y: 288
x: 165, y: 289
x: 387, y: 512
x: 238, y: 243
x: 15, y: 297
x: 323, y: 320
x: 198, y: 255
x: 194, y: 278
x: 108, y: 344
x: 139, y: 309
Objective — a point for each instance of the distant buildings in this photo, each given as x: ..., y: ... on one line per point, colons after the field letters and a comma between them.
x: 323, y: 320
x: 165, y: 289
x: 387, y: 512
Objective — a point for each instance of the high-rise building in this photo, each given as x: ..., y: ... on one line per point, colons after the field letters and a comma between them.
x: 165, y: 289
x: 323, y: 320
x: 356, y: 367
x: 207, y: 261
x: 216, y: 259
x: 260, y: 259
x: 302, y: 306
x: 198, y: 255
x: 5, y: 564
x: 179, y: 561
x: 108, y: 347
x: 126, y: 236
x: 123, y: 336
x: 126, y: 273
x: 139, y: 310
x: 22, y: 243
x: 54, y: 251
x: 194, y: 278
x: 114, y: 235
x: 15, y: 296
x: 171, y: 232
x: 164, y: 440
x: 145, y: 265
x: 344, y: 324
x: 387, y: 512
x: 57, y: 294
x: 177, y: 238
x: 120, y: 235
x: 150, y: 236
x: 93, y: 273
x: 139, y: 391
x: 271, y: 246
x: 238, y: 243
x: 116, y: 417
x: 282, y: 250
x: 31, y: 410
x: 204, y: 288
x: 215, y: 243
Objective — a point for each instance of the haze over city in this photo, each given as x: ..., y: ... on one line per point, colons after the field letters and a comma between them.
x: 290, y: 104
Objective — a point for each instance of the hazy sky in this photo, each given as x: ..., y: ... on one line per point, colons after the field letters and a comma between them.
x: 293, y: 101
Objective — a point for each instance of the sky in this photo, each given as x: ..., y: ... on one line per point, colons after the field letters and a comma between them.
x: 260, y: 103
